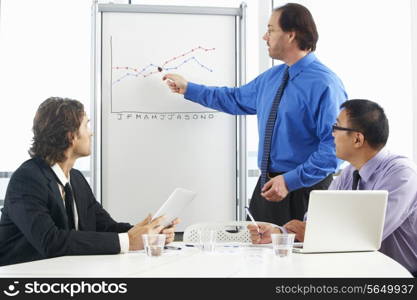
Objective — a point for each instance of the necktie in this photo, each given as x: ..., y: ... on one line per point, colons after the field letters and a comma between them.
x: 69, y: 205
x: 269, y: 129
x: 355, y: 182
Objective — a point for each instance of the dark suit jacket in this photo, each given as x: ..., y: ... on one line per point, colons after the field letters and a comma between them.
x: 33, y: 223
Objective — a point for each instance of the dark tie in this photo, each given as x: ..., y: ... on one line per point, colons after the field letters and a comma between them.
x: 269, y: 129
x: 355, y: 182
x: 69, y: 205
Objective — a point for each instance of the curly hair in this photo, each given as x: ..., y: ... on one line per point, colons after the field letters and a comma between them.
x: 55, y: 123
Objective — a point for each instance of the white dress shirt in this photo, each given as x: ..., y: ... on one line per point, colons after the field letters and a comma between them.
x: 123, y: 237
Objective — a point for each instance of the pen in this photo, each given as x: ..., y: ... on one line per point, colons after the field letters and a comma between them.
x: 172, y: 248
x: 252, y: 219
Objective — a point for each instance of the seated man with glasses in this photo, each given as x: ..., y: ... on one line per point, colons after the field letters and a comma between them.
x: 360, y: 135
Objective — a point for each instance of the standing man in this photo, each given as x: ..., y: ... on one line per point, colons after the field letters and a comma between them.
x: 361, y: 133
x: 49, y: 209
x: 296, y: 104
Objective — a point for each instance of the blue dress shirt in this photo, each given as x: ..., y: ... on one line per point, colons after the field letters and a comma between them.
x: 302, y: 143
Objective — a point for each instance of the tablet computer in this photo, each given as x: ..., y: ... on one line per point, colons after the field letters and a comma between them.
x: 174, y: 205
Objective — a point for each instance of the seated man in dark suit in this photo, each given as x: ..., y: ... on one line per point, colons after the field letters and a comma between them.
x: 49, y: 209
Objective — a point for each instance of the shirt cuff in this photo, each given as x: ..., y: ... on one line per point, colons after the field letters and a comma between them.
x: 124, y: 242
x: 283, y: 230
x: 193, y: 90
x: 292, y: 180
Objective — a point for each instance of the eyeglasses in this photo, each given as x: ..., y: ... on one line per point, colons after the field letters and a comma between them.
x: 336, y: 127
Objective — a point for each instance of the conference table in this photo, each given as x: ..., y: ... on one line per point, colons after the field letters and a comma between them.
x: 233, y: 260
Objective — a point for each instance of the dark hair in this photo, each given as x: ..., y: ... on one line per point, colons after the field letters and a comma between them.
x: 295, y: 17
x: 54, y: 119
x: 369, y: 118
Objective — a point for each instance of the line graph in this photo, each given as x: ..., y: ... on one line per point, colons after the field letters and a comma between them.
x: 152, y: 68
x: 149, y: 94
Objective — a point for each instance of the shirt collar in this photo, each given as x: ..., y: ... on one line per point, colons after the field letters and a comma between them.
x: 300, y: 65
x: 60, y: 174
x: 371, y: 165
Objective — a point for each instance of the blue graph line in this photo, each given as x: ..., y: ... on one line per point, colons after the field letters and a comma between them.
x: 186, y: 61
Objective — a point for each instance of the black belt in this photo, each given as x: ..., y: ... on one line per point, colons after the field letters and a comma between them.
x: 272, y: 175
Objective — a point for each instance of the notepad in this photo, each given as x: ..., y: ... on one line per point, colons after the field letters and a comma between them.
x: 174, y: 205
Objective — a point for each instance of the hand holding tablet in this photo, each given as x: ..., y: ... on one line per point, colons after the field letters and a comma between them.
x: 172, y: 207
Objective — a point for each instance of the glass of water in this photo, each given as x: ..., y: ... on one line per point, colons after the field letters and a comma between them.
x: 282, y: 243
x: 153, y: 244
x: 207, y: 239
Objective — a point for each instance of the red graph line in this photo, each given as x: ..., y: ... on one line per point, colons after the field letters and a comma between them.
x: 186, y: 53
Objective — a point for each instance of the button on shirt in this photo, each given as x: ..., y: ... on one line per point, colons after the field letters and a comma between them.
x: 302, y: 145
x: 398, y: 175
x: 123, y: 237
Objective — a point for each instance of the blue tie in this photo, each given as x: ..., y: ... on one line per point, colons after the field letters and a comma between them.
x: 269, y: 129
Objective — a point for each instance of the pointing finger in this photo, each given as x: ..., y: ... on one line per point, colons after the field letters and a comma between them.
x: 167, y: 76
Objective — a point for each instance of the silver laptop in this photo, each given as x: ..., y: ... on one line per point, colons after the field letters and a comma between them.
x: 344, y: 221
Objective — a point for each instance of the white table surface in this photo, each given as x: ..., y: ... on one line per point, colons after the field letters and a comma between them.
x: 244, y: 261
